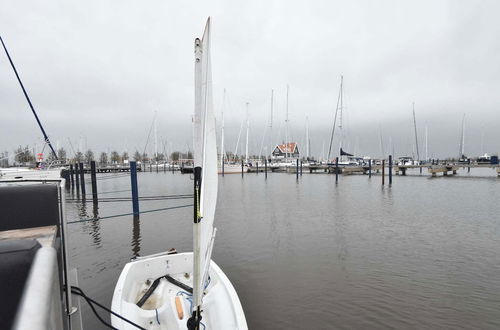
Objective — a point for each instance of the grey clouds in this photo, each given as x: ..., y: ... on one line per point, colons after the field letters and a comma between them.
x: 97, y: 70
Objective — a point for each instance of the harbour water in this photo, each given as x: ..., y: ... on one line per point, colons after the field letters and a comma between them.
x: 310, y: 254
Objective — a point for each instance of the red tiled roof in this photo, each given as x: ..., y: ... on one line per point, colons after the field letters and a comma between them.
x: 287, y: 147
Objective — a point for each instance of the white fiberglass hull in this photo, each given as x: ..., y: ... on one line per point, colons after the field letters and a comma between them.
x: 231, y: 169
x: 221, y: 306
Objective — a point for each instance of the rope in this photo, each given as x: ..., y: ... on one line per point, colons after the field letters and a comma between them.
x: 125, y: 214
x: 79, y: 292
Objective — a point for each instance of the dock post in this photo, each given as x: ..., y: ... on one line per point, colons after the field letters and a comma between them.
x: 420, y: 167
x: 265, y: 167
x: 71, y: 175
x: 77, y: 178
x: 369, y: 168
x: 383, y: 171
x: 222, y: 168
x: 301, y: 168
x: 468, y: 168
x: 135, y: 194
x: 93, y: 177
x: 150, y: 167
x: 156, y: 166
x: 82, y: 179
x: 390, y: 169
x: 336, y: 169
x: 297, y: 169
x: 257, y: 163
x: 164, y: 166
x: 242, y: 168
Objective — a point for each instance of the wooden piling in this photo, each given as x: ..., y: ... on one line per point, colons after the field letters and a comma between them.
x: 297, y: 169
x: 336, y: 169
x: 390, y: 169
x: 257, y: 164
x: 383, y: 171
x: 135, y: 193
x: 369, y: 168
x: 242, y: 166
x: 301, y: 163
x: 77, y: 178
x: 82, y: 179
x: 71, y: 175
x: 265, y: 167
x: 93, y: 177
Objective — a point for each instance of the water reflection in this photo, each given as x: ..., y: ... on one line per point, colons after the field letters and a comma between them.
x: 136, y: 236
x: 93, y: 226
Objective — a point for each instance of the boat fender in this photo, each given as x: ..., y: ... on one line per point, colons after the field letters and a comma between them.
x: 178, y: 307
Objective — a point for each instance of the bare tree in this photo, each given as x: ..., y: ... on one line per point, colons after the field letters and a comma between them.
x: 103, y: 158
x: 78, y: 157
x: 124, y: 156
x: 89, y: 156
x: 137, y: 156
x: 115, y: 157
x: 24, y: 155
x: 61, y: 154
x: 175, y: 156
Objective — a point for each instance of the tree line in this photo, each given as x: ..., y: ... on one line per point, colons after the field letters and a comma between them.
x: 23, y: 155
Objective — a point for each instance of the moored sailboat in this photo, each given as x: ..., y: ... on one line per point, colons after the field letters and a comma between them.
x: 186, y: 290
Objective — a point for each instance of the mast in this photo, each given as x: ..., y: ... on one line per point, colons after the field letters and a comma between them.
x: 334, y: 121
x: 205, y: 174
x: 248, y: 129
x: 415, y: 126
x: 271, y: 121
x: 381, y: 142
x: 341, y: 111
x: 156, y: 141
x: 222, y: 155
x: 286, y: 125
x: 426, y: 144
x: 307, y: 137
x: 462, y: 139
x: 46, y: 138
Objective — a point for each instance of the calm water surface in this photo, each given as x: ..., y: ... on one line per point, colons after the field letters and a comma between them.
x: 309, y: 254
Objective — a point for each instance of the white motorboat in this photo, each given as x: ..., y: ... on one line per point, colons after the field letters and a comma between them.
x: 185, y: 290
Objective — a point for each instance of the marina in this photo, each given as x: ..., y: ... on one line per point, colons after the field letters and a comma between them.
x: 225, y: 166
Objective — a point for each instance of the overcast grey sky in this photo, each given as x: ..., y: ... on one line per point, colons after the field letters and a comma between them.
x: 97, y: 70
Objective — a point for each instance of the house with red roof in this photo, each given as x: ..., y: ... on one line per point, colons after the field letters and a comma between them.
x: 289, y: 150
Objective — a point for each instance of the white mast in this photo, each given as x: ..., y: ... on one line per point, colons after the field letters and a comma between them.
x: 426, y: 144
x: 205, y: 171
x: 286, y: 125
x: 222, y: 155
x: 271, y: 121
x: 307, y: 137
x: 238, y: 140
x: 248, y: 129
x: 462, y: 139
x: 341, y: 111
x: 415, y: 126
x: 156, y: 141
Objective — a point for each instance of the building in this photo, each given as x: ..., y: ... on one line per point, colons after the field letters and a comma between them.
x: 289, y: 150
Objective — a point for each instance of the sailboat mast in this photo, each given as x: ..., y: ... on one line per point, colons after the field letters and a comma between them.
x: 426, y: 144
x: 222, y: 155
x: 334, y: 125
x: 307, y: 137
x: 462, y: 138
x: 46, y: 138
x: 341, y: 110
x: 156, y: 141
x: 196, y: 310
x: 415, y: 127
x: 248, y: 129
x: 271, y: 121
x: 286, y: 125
